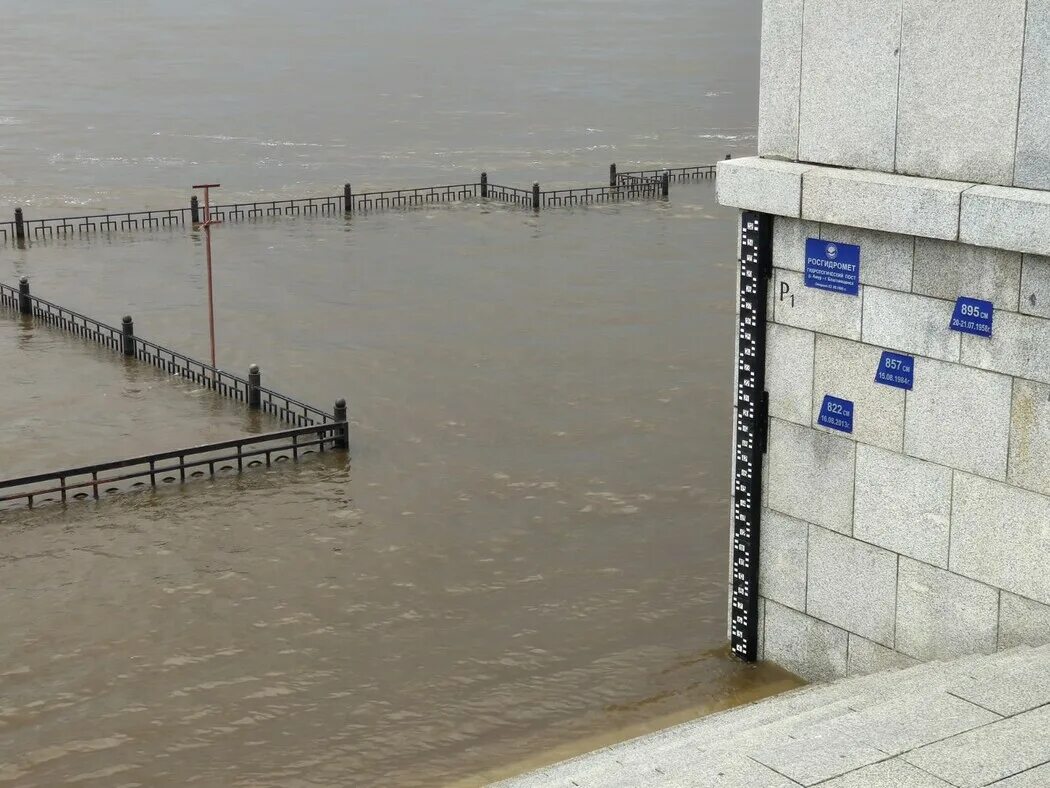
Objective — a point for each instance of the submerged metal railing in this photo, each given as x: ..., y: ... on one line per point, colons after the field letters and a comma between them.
x: 625, y: 188
x: 284, y: 408
x: 168, y: 467
x: 313, y: 429
x: 634, y: 185
x: 698, y: 172
x: 407, y: 198
x: 241, y: 211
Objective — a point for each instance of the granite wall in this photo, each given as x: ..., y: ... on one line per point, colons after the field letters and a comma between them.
x: 957, y: 90
x: 920, y: 132
x: 925, y: 533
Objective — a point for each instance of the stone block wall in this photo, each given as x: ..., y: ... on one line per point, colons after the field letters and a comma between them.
x: 918, y: 130
x: 955, y: 90
x: 925, y: 533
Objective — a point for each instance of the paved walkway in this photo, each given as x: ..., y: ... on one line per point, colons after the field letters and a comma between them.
x: 975, y: 721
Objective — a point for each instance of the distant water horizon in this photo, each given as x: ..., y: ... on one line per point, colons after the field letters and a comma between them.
x: 380, y: 92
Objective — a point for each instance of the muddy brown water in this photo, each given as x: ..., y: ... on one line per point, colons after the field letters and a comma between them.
x: 527, y: 555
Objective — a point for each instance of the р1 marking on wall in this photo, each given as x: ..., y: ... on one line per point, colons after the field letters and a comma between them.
x: 833, y: 266
x: 752, y: 408
x: 973, y: 316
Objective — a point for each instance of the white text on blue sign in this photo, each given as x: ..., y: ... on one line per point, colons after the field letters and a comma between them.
x: 973, y: 316
x: 896, y: 369
x: 836, y: 414
x: 833, y: 266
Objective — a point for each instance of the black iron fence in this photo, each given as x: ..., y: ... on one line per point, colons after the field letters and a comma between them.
x: 633, y: 185
x: 123, y: 340
x: 625, y: 188
x: 508, y: 194
x: 699, y: 172
x: 241, y: 211
x: 169, y: 467
x: 406, y: 198
x: 313, y: 429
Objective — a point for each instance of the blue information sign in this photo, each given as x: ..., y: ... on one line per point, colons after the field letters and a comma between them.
x: 973, y: 316
x: 896, y: 370
x: 837, y: 414
x: 833, y: 266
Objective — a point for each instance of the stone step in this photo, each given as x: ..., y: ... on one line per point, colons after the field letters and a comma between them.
x: 720, y: 742
x: 710, y: 742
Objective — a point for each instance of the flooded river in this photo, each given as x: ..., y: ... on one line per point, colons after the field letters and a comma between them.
x: 527, y: 555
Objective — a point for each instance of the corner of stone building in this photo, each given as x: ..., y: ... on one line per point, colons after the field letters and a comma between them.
x: 924, y: 532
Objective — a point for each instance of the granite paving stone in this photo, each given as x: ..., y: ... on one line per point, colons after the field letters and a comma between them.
x: 894, y: 773
x: 818, y: 754
x: 912, y: 721
x: 729, y: 772
x: 1039, y: 777
x: 989, y: 753
x: 1009, y: 689
x: 843, y: 735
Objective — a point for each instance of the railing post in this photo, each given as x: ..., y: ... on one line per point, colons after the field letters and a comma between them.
x: 536, y: 196
x: 348, y: 198
x: 128, y: 335
x: 612, y: 174
x: 665, y: 183
x: 484, y: 184
x: 342, y: 435
x: 195, y: 213
x: 25, y: 303
x: 254, y: 381
x: 20, y: 228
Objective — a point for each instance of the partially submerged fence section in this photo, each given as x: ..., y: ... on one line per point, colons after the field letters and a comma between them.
x: 123, y: 340
x: 169, y: 467
x: 699, y: 172
x: 407, y: 198
x: 634, y: 185
x: 313, y: 429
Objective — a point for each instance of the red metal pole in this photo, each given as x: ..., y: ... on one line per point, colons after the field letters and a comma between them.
x: 211, y: 298
x: 206, y: 224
